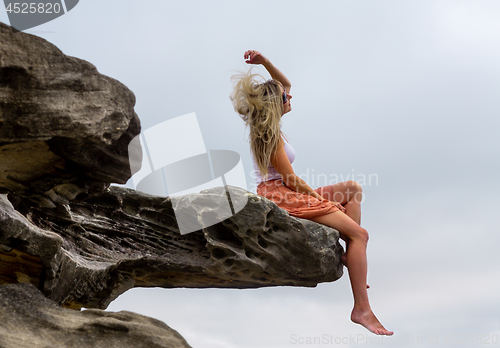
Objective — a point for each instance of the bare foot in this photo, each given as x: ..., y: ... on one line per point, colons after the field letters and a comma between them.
x: 369, y: 321
x: 343, y: 259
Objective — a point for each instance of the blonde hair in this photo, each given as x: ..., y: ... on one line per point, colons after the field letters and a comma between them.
x: 260, y: 105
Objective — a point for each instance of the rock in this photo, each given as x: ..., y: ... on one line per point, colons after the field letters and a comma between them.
x: 61, y: 122
x: 64, y: 135
x: 29, y: 320
x: 88, y: 252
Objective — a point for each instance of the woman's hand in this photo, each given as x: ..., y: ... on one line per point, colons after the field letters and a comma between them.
x: 340, y: 206
x: 254, y: 57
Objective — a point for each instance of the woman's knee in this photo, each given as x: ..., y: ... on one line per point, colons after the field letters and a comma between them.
x: 362, y: 235
x: 354, y: 191
x: 354, y: 186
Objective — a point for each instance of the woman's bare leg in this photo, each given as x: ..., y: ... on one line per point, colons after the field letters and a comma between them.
x: 357, y: 267
x: 347, y: 193
x: 350, y: 195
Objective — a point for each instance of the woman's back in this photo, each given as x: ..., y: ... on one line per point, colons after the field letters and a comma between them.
x: 272, y: 172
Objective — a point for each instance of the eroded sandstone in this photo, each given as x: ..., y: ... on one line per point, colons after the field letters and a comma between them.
x: 64, y: 136
x: 95, y: 249
x: 61, y: 121
x: 29, y: 320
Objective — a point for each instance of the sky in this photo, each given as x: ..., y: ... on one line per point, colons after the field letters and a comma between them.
x: 401, y: 96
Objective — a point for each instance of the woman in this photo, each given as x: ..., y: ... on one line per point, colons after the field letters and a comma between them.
x: 261, y: 106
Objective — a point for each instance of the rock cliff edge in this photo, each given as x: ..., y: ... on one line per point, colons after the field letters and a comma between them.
x: 64, y: 135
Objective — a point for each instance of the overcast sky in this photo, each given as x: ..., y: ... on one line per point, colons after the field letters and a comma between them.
x: 406, y: 92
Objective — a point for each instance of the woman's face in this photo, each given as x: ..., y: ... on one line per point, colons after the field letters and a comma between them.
x: 287, y: 106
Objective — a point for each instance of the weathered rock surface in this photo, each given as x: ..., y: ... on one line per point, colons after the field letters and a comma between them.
x: 61, y: 122
x: 87, y: 252
x: 64, y: 135
x: 29, y: 320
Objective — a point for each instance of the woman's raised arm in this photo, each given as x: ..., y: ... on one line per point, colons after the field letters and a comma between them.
x: 255, y: 57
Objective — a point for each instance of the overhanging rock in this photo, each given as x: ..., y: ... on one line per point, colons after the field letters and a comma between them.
x: 86, y: 253
x: 64, y: 136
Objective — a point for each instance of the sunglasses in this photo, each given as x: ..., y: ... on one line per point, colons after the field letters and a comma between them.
x: 284, y: 96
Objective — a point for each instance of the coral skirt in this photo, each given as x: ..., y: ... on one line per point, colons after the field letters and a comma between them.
x: 297, y: 204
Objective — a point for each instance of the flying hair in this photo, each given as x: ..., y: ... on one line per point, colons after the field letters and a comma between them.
x: 260, y: 106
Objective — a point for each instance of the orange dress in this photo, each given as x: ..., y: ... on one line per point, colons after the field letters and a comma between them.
x: 297, y: 204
